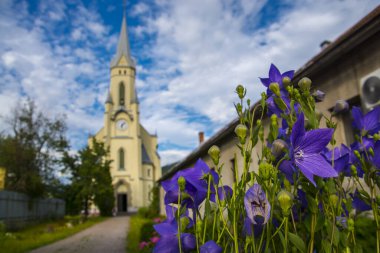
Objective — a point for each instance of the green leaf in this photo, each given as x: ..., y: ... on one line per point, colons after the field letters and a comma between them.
x: 297, y: 241
x: 326, y: 246
x: 282, y: 238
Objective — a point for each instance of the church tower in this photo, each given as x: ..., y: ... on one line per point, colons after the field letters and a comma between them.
x: 136, y: 164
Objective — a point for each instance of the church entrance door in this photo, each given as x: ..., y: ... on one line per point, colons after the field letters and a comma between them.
x: 122, y: 203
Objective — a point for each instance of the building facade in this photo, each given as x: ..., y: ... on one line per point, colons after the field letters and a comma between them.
x: 133, y: 150
x: 342, y: 69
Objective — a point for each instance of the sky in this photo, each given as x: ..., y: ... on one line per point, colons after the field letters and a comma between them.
x: 190, y: 56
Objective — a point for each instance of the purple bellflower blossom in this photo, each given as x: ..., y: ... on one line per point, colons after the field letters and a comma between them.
x: 210, y: 247
x: 257, y: 205
x: 359, y: 204
x: 369, y: 123
x: 305, y: 151
x: 275, y: 76
x: 168, y: 242
x: 196, y: 185
x: 341, y: 158
x: 224, y: 192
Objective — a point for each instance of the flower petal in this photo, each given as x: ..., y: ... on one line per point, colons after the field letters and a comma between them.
x: 358, y: 117
x: 315, y: 164
x: 166, y: 244
x: 274, y: 74
x: 166, y: 228
x: 298, y: 131
x: 315, y: 141
x: 265, y: 81
x: 371, y: 121
x: 289, y: 74
x: 287, y: 168
x: 210, y: 247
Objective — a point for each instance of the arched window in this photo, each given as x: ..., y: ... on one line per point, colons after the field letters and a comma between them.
x: 121, y: 94
x: 121, y: 159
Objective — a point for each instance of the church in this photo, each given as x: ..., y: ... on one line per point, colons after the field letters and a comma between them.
x: 133, y: 150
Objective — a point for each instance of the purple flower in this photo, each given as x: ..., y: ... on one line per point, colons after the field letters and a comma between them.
x: 305, y: 151
x: 257, y: 205
x: 369, y: 123
x: 275, y: 76
x: 341, y: 158
x: 318, y: 95
x: 196, y: 185
x: 168, y: 242
x: 210, y: 247
x: 376, y: 158
x: 224, y: 192
x: 359, y: 204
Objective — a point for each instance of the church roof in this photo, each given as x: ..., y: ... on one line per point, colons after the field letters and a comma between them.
x: 144, y: 155
x: 123, y: 48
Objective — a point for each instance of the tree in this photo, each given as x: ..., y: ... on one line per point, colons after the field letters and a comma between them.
x: 29, y: 151
x: 91, y: 180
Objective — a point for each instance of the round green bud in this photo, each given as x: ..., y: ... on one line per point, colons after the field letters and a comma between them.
x: 241, y: 91
x: 239, y: 108
x: 258, y: 122
x: 333, y: 199
x: 184, y: 223
x: 354, y: 171
x: 265, y: 170
x: 199, y: 226
x: 241, y: 133
x: 214, y: 153
x: 305, y: 84
x: 371, y: 152
x: 350, y: 224
x: 357, y: 154
x: 273, y: 118
x: 275, y: 88
x: 248, y: 102
x: 278, y: 147
x: 286, y: 82
x: 181, y: 183
x: 285, y: 199
x: 376, y: 137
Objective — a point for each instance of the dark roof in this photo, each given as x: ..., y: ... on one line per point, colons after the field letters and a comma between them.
x: 358, y: 33
x: 144, y: 156
x: 362, y: 30
x: 166, y: 168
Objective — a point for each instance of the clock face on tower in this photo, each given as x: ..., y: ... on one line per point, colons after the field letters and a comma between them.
x: 122, y: 124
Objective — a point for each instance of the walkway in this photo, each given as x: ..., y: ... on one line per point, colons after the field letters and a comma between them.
x: 106, y: 237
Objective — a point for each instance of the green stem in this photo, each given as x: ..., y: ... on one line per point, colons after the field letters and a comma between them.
x: 179, y: 220
x: 312, y: 228
x: 286, y: 234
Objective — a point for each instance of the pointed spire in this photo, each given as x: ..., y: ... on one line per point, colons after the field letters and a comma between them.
x: 123, y: 44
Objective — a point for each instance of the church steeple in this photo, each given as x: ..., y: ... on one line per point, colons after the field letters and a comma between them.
x: 123, y: 48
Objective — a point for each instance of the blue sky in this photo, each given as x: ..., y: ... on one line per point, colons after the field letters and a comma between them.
x: 190, y: 55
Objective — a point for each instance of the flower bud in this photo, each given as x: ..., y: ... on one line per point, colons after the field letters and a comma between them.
x: 318, y: 114
x: 241, y: 133
x: 318, y: 95
x: 258, y: 122
x: 376, y: 137
x: 285, y: 199
x: 305, y: 84
x: 334, y: 200
x: 181, y: 183
x: 265, y: 170
x: 241, y: 91
x: 275, y: 88
x: 279, y: 147
x: 354, y: 171
x: 357, y: 154
x: 371, y: 152
x: 214, y: 153
x: 239, y: 108
x: 249, y: 102
x: 184, y: 223
x: 286, y: 82
x: 340, y: 106
x: 350, y: 224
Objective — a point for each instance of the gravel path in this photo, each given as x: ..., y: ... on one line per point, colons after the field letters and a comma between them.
x: 106, y: 237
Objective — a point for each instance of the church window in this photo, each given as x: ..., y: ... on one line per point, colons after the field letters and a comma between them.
x: 119, y: 72
x: 125, y: 72
x: 148, y: 172
x: 121, y: 94
x: 121, y: 159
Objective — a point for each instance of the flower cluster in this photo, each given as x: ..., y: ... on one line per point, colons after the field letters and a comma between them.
x: 294, y: 188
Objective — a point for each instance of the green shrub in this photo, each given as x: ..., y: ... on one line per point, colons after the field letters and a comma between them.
x: 147, y: 231
x: 143, y: 212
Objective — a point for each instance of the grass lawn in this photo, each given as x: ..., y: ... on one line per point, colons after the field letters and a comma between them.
x: 134, y: 234
x: 39, y: 235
